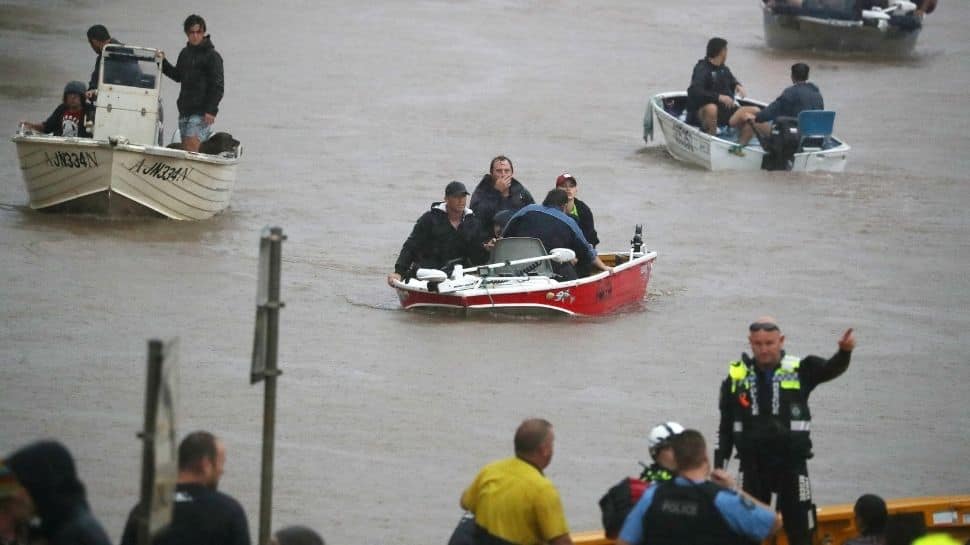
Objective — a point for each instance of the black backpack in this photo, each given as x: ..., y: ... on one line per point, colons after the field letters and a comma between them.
x: 616, y: 504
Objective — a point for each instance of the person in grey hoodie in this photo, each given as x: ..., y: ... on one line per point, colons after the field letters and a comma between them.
x: 801, y: 95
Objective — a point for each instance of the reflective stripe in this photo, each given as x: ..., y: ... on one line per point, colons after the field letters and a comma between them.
x: 738, y: 426
x: 801, y: 425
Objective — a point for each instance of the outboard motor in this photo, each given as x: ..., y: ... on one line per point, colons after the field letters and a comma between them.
x: 637, y: 242
x: 781, y: 144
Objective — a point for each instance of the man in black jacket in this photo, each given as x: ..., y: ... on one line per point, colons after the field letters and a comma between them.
x: 498, y: 191
x: 201, y: 514
x: 98, y: 37
x: 447, y: 232
x: 710, y: 97
x: 199, y: 69
x: 765, y: 415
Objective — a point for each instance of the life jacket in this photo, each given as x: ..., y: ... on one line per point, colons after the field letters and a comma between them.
x: 682, y: 515
x: 782, y: 428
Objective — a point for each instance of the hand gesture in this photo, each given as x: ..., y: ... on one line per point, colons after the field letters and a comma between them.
x: 847, y: 342
x: 722, y: 478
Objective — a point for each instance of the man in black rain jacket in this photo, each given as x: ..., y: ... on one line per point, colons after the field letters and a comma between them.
x: 447, y: 232
x: 199, y: 70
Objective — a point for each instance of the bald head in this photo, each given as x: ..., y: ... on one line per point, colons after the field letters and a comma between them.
x: 530, y: 436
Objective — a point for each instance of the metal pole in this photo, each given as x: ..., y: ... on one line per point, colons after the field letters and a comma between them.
x: 155, y: 354
x: 269, y: 399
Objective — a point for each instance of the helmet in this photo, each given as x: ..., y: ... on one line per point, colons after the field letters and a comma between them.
x: 659, y: 435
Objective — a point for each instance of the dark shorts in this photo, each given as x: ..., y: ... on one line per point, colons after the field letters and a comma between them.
x: 723, y: 115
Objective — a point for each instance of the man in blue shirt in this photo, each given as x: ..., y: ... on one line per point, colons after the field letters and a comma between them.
x: 550, y: 224
x: 695, y: 508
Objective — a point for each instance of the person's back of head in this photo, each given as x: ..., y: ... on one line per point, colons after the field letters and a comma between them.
x: 297, y: 535
x: 557, y: 198
x: 871, y: 515
x: 799, y: 72
x: 690, y: 450
x: 530, y: 436
x: 715, y: 46
x: 195, y: 450
x: 99, y: 33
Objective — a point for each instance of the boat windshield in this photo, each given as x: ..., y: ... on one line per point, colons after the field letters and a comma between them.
x: 129, y: 67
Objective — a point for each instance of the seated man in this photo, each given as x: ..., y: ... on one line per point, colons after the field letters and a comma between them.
x: 801, y: 95
x: 549, y: 223
x: 70, y: 117
x: 447, y: 232
x: 710, y: 97
x: 498, y: 191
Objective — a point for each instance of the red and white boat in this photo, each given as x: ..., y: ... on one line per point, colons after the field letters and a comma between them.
x: 520, y: 279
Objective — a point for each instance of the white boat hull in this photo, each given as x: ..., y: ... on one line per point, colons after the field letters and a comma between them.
x: 691, y: 145
x: 803, y: 32
x: 96, y: 176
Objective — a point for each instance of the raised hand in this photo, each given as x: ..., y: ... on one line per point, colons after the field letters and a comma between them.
x: 847, y: 342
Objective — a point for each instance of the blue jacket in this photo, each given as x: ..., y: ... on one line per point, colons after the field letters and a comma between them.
x: 803, y: 95
x: 554, y: 228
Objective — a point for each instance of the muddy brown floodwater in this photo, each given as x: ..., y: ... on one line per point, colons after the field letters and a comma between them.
x: 353, y: 118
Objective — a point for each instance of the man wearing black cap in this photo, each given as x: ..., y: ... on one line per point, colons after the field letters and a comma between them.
x: 447, y: 232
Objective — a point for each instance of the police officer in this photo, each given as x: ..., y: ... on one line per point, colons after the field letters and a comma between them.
x: 765, y: 416
x: 693, y: 508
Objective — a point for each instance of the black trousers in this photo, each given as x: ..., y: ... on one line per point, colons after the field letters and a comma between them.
x: 790, y: 483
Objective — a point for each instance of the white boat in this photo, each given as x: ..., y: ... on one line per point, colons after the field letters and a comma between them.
x: 890, y: 31
x: 692, y: 145
x: 125, y: 168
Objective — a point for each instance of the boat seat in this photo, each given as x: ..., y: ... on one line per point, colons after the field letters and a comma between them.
x: 512, y: 248
x: 815, y: 128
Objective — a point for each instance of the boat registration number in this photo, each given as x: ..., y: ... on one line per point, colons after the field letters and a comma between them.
x: 72, y: 159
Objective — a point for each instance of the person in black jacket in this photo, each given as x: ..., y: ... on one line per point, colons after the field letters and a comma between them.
x: 577, y: 208
x: 70, y: 118
x: 201, y: 513
x: 710, y: 97
x: 447, y: 232
x: 199, y: 69
x: 765, y: 415
x: 46, y: 471
x: 98, y: 37
x: 498, y: 191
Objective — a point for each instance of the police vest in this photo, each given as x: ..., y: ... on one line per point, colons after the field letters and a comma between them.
x: 686, y: 514
x: 784, y: 426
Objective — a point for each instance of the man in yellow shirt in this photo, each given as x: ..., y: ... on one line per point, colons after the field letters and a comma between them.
x: 513, y: 502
